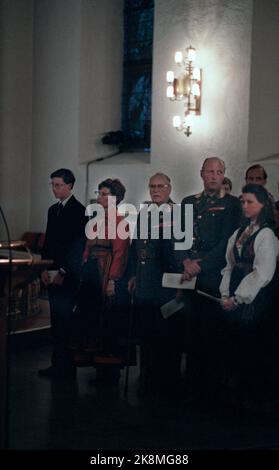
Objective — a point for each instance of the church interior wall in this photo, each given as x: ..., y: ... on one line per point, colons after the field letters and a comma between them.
x: 68, y: 83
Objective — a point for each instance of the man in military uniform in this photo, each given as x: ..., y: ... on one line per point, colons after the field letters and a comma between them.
x: 215, y: 217
x: 150, y: 258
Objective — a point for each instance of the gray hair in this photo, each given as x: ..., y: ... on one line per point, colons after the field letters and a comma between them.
x: 163, y: 175
x: 213, y: 158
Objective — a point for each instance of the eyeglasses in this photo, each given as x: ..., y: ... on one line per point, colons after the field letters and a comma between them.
x: 57, y: 185
x: 159, y: 187
x: 102, y: 193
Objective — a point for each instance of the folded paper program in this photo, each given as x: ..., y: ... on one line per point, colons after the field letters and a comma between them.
x: 173, y: 280
x: 171, y: 307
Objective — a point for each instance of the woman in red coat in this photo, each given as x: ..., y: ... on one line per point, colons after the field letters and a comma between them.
x: 103, y: 300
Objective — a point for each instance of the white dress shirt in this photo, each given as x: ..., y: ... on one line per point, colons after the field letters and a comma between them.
x: 64, y: 202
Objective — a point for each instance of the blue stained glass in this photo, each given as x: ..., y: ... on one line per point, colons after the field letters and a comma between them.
x: 139, y: 4
x: 136, y: 98
x: 139, y: 104
x: 139, y: 44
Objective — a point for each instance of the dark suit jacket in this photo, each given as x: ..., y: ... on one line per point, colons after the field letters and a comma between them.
x: 65, y: 237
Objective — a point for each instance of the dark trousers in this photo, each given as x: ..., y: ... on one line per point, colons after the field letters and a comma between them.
x: 229, y: 356
x: 62, y: 301
x: 160, y: 347
x: 99, y: 321
x: 205, y: 344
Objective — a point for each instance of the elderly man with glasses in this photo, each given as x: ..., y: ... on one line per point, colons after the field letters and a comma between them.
x: 150, y: 258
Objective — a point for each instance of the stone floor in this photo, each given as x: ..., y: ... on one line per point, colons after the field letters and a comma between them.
x: 50, y: 415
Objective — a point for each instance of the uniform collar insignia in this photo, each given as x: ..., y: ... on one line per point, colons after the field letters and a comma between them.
x: 218, y: 195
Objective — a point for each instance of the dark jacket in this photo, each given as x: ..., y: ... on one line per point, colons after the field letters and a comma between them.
x: 65, y: 237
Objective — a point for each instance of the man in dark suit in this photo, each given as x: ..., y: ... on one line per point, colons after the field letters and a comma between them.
x: 64, y: 244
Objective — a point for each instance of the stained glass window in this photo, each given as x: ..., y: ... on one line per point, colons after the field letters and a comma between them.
x: 137, y: 73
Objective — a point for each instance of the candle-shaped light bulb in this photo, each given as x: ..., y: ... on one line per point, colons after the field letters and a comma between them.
x: 170, y: 76
x: 178, y: 57
x: 196, y: 73
x: 176, y: 121
x: 191, y: 53
x: 170, y: 91
x: 196, y: 89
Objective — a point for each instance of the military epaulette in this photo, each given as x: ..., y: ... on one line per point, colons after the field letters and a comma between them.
x: 199, y: 195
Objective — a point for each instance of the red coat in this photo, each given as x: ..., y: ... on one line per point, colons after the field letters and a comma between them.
x: 112, y: 254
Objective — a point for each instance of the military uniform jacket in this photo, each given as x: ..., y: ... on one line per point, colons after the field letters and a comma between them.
x: 149, y: 259
x: 215, y: 218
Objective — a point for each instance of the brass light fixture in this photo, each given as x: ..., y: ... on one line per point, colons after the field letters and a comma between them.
x: 187, y: 86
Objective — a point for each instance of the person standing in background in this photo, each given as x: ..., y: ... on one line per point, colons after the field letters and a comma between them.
x: 149, y: 258
x: 64, y: 244
x: 227, y: 185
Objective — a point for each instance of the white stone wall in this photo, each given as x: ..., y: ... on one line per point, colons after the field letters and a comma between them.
x: 264, y: 106
x: 74, y: 84
x: 77, y: 85
x: 16, y: 17
x: 221, y: 32
x: 264, y: 92
x: 101, y: 49
x: 56, y: 99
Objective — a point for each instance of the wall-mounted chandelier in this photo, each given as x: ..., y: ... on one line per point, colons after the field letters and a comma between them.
x: 187, y: 86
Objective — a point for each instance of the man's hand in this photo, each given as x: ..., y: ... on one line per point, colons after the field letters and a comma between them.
x: 191, y: 268
x: 110, y: 289
x: 132, y: 285
x: 186, y: 277
x: 58, y: 279
x: 45, y: 278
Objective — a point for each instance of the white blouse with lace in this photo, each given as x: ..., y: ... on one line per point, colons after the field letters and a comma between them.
x: 266, y: 248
